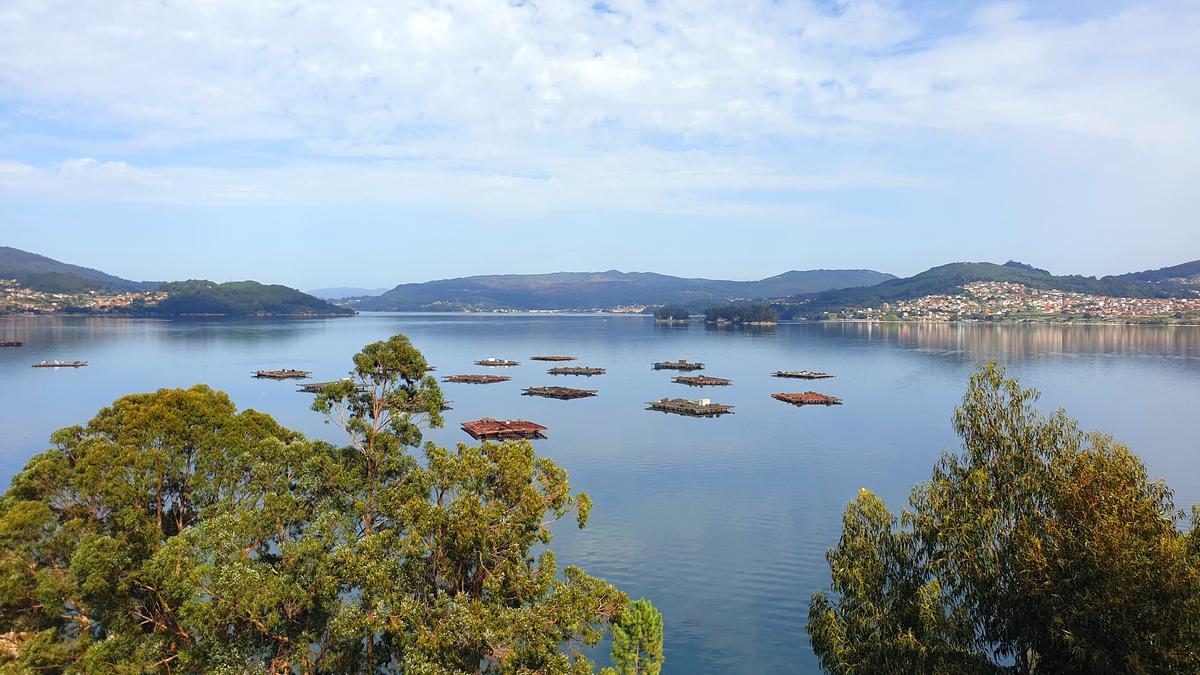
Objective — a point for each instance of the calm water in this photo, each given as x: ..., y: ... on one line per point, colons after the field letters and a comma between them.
x: 722, y: 522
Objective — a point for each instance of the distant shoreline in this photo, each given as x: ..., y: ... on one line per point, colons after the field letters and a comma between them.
x: 568, y: 313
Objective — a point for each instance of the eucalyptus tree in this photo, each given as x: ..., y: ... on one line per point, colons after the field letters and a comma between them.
x: 1038, y: 547
x: 174, y: 533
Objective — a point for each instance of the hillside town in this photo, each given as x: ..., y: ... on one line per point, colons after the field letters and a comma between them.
x: 16, y: 299
x: 997, y: 300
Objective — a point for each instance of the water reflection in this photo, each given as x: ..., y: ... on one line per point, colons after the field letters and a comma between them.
x: 1017, y: 341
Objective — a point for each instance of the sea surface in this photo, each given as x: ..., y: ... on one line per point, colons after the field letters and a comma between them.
x: 724, y: 522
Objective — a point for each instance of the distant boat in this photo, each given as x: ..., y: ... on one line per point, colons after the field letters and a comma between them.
x: 10, y: 343
x: 60, y: 364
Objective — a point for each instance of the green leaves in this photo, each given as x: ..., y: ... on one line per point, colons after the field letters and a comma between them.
x: 173, y: 532
x: 1036, y: 547
x: 637, y: 647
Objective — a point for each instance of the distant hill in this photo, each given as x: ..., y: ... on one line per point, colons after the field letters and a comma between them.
x: 1189, y: 271
x: 339, y: 292
x: 948, y: 279
x: 589, y: 290
x: 46, y: 274
x: 238, y: 298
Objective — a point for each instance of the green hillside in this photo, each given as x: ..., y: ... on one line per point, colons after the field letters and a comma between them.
x: 588, y: 290
x: 1186, y: 271
x: 949, y: 279
x: 44, y: 274
x: 237, y: 298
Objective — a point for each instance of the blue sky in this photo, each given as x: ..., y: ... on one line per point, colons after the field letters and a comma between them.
x: 365, y: 144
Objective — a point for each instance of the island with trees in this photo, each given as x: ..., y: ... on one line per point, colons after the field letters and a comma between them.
x: 672, y: 314
x: 199, y: 297
x: 745, y: 314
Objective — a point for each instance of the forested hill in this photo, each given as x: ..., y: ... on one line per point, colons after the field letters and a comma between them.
x: 39, y: 273
x: 589, y: 290
x: 949, y: 279
x: 238, y: 298
x: 1189, y: 271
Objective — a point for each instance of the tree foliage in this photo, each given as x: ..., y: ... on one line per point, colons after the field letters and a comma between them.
x: 672, y: 313
x: 173, y: 533
x: 236, y: 298
x: 742, y: 313
x: 637, y: 646
x: 1037, y: 547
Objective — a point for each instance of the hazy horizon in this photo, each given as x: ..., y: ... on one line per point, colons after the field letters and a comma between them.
x: 350, y: 145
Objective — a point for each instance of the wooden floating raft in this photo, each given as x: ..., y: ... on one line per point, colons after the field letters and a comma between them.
x: 318, y: 387
x: 60, y: 364
x: 801, y: 374
x: 552, y: 357
x: 10, y: 343
x: 490, y: 429
x: 701, y: 381
x: 564, y: 393
x: 576, y: 370
x: 285, y: 374
x: 807, y: 398
x: 496, y: 362
x: 476, y: 379
x: 683, y: 406
x: 681, y: 364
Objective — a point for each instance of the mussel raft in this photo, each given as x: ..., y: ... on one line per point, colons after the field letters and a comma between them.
x: 563, y: 393
x: 576, y: 370
x: 807, y: 398
x: 476, y: 379
x: 682, y: 406
x: 701, y: 381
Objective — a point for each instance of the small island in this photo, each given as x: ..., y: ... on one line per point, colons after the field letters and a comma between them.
x: 236, y: 298
x: 672, y: 314
x: 744, y: 314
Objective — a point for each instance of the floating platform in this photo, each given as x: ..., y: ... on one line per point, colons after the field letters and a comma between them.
x: 317, y: 387
x: 807, y: 398
x: 702, y: 381
x: 285, y: 374
x: 683, y: 406
x: 552, y: 357
x: 489, y: 429
x: 11, y: 343
x: 681, y: 364
x: 576, y: 370
x: 497, y: 362
x: 564, y: 393
x: 802, y: 374
x: 60, y: 364
x: 476, y: 379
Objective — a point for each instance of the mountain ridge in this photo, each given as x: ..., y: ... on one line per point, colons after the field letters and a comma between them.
x: 949, y: 278
x: 192, y: 297
x: 609, y: 288
x: 41, y: 273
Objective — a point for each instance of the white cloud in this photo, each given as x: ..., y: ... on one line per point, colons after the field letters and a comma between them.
x: 561, y: 103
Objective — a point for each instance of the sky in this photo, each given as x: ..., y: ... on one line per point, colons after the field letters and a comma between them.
x: 368, y: 144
